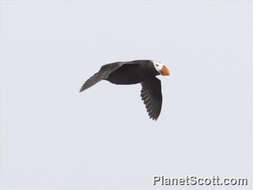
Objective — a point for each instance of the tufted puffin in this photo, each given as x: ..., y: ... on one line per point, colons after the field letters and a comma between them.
x: 133, y: 72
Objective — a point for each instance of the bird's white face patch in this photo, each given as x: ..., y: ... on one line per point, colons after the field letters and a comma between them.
x: 158, y: 66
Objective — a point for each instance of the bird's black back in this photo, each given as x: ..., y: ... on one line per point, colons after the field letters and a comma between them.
x: 132, y: 72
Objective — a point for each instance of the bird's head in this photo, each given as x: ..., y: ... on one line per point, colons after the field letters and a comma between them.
x: 162, y: 69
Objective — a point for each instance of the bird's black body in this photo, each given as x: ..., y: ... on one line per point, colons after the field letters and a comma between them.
x: 133, y: 72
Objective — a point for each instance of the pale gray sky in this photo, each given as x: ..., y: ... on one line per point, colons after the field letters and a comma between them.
x: 52, y: 137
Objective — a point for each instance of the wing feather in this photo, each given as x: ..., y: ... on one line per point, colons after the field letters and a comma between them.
x: 102, y: 74
x: 152, y: 97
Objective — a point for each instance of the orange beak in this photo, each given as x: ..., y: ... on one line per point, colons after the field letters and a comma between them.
x: 165, y: 71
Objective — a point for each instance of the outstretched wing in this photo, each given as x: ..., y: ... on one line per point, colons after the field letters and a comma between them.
x: 152, y: 96
x: 103, y: 73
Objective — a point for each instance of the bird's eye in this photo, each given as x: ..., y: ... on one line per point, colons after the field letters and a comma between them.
x: 157, y: 65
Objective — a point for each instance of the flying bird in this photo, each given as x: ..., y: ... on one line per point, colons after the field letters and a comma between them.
x: 133, y: 72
